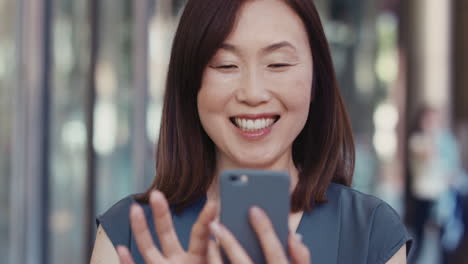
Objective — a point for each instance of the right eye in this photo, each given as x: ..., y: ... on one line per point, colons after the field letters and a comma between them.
x: 226, y: 67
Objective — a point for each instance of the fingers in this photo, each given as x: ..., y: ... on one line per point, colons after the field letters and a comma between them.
x: 214, y: 256
x: 271, y: 245
x: 163, y: 223
x: 228, y: 242
x: 200, y: 232
x: 299, y: 252
x: 124, y: 255
x: 143, y: 236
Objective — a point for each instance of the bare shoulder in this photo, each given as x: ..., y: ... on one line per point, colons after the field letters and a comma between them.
x: 399, y: 257
x: 103, y: 251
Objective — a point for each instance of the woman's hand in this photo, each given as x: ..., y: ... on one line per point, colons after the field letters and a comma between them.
x: 272, y: 248
x: 172, y: 251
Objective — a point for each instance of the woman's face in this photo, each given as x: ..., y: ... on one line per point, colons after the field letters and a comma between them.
x: 256, y: 90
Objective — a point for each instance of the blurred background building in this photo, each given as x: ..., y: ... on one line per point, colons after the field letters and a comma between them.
x: 81, y: 85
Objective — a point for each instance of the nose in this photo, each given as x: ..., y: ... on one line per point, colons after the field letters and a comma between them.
x: 253, y: 90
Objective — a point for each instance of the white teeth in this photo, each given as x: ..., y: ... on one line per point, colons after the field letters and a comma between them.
x: 261, y: 122
x: 252, y: 125
x: 269, y: 122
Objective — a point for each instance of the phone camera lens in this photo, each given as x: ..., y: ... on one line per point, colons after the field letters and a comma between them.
x: 234, y: 177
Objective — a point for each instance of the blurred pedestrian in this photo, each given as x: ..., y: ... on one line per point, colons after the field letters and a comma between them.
x: 433, y: 159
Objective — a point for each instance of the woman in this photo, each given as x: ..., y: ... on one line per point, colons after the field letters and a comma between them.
x: 251, y: 85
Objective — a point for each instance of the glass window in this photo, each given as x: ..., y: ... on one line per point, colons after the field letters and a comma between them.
x: 113, y: 110
x: 7, y: 97
x: 363, y: 42
x: 68, y: 131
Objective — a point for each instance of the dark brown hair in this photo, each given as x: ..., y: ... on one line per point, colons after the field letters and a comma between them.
x: 323, y: 152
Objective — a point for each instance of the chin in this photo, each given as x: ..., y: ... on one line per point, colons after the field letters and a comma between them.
x: 256, y: 163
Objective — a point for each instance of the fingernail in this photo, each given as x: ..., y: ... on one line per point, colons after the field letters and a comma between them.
x: 155, y: 195
x: 120, y: 249
x: 256, y: 212
x: 133, y: 209
x: 215, y: 228
x: 298, y: 237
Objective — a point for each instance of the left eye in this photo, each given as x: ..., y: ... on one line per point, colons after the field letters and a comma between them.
x: 279, y: 65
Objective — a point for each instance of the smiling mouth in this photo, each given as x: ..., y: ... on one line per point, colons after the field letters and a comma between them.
x: 254, y: 124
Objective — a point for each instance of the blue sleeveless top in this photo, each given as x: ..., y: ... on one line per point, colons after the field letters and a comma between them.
x: 351, y: 227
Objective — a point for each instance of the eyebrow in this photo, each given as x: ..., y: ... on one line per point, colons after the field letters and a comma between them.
x: 267, y: 49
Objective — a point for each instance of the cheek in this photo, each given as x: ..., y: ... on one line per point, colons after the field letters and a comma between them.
x: 301, y: 94
x: 295, y: 90
x: 214, y: 92
x: 214, y: 95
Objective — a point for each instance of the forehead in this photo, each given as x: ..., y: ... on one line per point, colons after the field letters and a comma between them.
x: 262, y: 22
